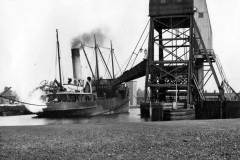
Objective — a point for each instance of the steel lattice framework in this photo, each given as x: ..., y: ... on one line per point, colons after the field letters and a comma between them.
x: 177, y: 58
x: 180, y: 59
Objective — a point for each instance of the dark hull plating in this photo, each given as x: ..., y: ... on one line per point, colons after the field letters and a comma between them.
x: 86, y: 109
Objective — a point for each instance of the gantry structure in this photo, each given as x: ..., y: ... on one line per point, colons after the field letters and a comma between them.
x: 180, y: 60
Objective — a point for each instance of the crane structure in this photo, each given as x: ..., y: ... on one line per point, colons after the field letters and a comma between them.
x: 180, y: 53
x: 180, y: 60
x: 177, y: 52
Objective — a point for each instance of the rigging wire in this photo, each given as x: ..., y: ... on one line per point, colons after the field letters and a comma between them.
x: 137, y: 45
x: 140, y: 49
x: 117, y: 63
x: 107, y: 63
x: 106, y: 69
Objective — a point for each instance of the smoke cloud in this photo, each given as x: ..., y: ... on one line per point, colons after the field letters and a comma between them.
x: 35, y: 98
x: 88, y: 38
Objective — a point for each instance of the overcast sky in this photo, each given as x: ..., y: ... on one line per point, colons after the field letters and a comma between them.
x: 28, y: 44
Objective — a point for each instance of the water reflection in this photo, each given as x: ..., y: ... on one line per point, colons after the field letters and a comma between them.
x: 29, y: 120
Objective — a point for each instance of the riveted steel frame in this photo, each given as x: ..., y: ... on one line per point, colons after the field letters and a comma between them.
x: 172, y: 63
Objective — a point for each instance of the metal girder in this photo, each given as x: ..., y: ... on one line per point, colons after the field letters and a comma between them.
x: 170, y: 39
x: 170, y: 53
x: 176, y: 46
x: 183, y: 33
x: 198, y: 89
x: 190, y: 66
x: 185, y: 18
x: 177, y: 35
x: 208, y: 79
x: 167, y: 72
x: 169, y: 86
x: 173, y: 62
x: 150, y: 56
x: 221, y: 91
x: 162, y: 76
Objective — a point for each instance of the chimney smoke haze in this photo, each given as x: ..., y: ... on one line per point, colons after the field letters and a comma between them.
x: 88, y: 38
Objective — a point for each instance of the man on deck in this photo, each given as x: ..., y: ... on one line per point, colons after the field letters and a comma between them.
x: 88, y: 86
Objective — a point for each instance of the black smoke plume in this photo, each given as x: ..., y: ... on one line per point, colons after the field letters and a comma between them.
x: 88, y: 38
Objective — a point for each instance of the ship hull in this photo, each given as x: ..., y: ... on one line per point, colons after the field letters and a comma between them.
x: 86, y: 109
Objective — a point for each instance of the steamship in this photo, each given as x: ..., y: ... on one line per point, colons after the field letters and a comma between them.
x: 78, y: 98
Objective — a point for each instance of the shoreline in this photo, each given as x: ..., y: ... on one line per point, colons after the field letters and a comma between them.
x: 13, y: 110
x: 197, y: 139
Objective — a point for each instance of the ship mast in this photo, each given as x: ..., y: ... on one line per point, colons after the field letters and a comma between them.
x: 97, y: 67
x: 59, y: 59
x: 112, y: 61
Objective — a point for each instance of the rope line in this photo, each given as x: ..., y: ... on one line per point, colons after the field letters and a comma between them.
x: 31, y: 104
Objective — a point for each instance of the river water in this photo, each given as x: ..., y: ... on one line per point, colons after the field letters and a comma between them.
x: 31, y: 120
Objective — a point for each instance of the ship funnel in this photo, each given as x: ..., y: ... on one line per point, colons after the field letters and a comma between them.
x: 77, y: 68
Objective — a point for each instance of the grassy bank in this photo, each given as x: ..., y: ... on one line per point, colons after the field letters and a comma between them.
x: 216, y: 139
